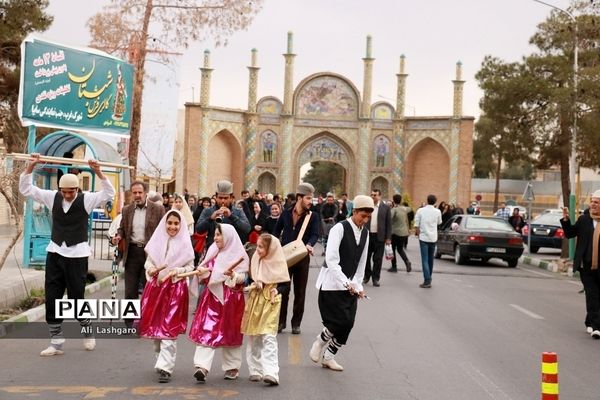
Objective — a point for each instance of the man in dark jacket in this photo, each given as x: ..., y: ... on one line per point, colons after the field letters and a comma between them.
x: 380, y: 234
x: 224, y: 213
x: 587, y: 231
x: 287, y: 229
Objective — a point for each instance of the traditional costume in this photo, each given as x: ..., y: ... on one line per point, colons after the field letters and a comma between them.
x: 261, y: 316
x: 344, y: 268
x: 220, y: 308
x: 165, y: 304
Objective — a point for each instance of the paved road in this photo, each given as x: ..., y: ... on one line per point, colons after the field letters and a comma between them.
x: 477, y: 334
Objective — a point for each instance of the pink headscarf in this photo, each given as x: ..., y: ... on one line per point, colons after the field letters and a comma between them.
x: 230, y: 253
x: 174, y: 252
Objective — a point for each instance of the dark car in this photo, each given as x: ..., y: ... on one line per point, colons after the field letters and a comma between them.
x: 545, y: 231
x: 475, y: 236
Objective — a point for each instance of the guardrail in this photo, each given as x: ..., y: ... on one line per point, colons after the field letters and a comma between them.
x: 100, y: 244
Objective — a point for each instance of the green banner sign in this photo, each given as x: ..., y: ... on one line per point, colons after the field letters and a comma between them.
x: 69, y: 88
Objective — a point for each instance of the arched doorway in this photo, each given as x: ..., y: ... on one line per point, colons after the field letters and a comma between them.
x: 427, y: 171
x: 267, y: 183
x: 382, y: 184
x: 224, y: 162
x: 326, y: 155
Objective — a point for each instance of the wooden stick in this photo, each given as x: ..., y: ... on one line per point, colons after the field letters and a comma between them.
x: 63, y: 160
x: 186, y: 274
x: 232, y: 266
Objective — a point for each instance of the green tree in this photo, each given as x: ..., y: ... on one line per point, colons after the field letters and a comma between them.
x: 134, y: 29
x: 18, y: 18
x: 556, y: 97
x: 504, y: 128
x: 325, y: 177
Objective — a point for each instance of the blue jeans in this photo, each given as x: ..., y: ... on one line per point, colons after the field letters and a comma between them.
x: 427, y: 254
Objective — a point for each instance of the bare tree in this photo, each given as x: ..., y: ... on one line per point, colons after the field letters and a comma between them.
x: 134, y: 29
x: 9, y: 177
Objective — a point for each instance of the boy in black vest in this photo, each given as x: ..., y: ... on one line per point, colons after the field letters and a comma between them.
x: 68, y: 250
x: 340, y: 282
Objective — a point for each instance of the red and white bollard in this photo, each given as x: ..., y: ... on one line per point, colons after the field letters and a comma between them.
x: 549, y: 376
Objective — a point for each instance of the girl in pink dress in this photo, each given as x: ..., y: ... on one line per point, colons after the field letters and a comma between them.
x: 220, y: 309
x: 165, y: 299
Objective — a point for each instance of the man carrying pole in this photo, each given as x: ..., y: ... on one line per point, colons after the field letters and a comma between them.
x: 68, y: 250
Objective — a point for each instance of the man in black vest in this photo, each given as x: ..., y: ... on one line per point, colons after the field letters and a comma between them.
x: 68, y: 250
x: 340, y: 282
x: 587, y: 259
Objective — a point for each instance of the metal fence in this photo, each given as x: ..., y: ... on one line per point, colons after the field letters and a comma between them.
x: 101, y: 249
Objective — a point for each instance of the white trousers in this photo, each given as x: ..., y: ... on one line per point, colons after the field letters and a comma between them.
x: 167, y: 351
x: 231, y: 357
x: 261, y: 354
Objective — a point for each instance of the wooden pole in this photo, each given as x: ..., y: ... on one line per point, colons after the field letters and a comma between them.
x: 63, y: 160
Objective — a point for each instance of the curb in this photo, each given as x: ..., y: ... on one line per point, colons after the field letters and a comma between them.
x: 547, y: 265
x: 38, y: 313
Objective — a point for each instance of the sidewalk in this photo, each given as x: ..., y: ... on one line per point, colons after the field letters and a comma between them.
x: 16, y: 281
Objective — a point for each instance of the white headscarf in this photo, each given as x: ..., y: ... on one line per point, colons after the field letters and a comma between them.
x: 163, y: 249
x: 231, y: 252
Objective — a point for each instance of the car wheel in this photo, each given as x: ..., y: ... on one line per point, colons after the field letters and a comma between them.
x: 459, y: 257
x: 534, y: 249
x: 437, y: 254
x: 512, y: 263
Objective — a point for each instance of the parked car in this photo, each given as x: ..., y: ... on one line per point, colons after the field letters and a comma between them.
x: 545, y: 231
x: 476, y: 236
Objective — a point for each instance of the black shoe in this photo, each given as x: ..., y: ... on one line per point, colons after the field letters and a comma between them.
x: 280, y: 328
x: 393, y: 269
x: 376, y: 283
x: 164, y: 376
x: 425, y: 285
x: 408, y: 267
x: 365, y: 281
x: 200, y: 375
x: 296, y: 330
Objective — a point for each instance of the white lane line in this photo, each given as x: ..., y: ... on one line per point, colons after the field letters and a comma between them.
x: 470, y: 286
x: 457, y: 280
x: 578, y: 283
x: 526, y: 312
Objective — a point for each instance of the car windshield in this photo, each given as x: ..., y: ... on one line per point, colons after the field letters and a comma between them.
x: 548, y: 219
x: 492, y: 224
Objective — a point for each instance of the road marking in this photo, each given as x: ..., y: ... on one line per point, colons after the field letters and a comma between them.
x: 457, y: 280
x: 96, y: 392
x: 470, y: 286
x: 526, y: 312
x: 295, y: 351
x: 575, y: 283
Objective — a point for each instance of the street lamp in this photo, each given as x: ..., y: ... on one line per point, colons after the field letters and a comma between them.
x: 573, y: 156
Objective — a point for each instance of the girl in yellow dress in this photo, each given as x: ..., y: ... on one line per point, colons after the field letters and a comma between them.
x: 268, y: 270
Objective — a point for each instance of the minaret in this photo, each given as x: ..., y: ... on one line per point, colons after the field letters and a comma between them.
x: 458, y: 91
x: 285, y: 183
x: 367, y: 81
x: 288, y: 86
x: 399, y: 129
x: 401, y: 90
x: 250, y: 172
x: 455, y: 134
x: 205, y: 80
x: 252, y: 83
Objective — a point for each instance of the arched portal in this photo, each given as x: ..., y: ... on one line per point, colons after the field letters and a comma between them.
x: 325, y: 149
x: 224, y: 162
x: 427, y: 171
x: 267, y: 183
x: 382, y: 184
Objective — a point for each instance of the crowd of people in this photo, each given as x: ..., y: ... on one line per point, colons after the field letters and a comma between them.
x: 237, y: 254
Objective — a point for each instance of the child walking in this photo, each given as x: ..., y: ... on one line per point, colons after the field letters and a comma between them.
x: 165, y: 299
x: 221, y: 305
x: 268, y: 270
